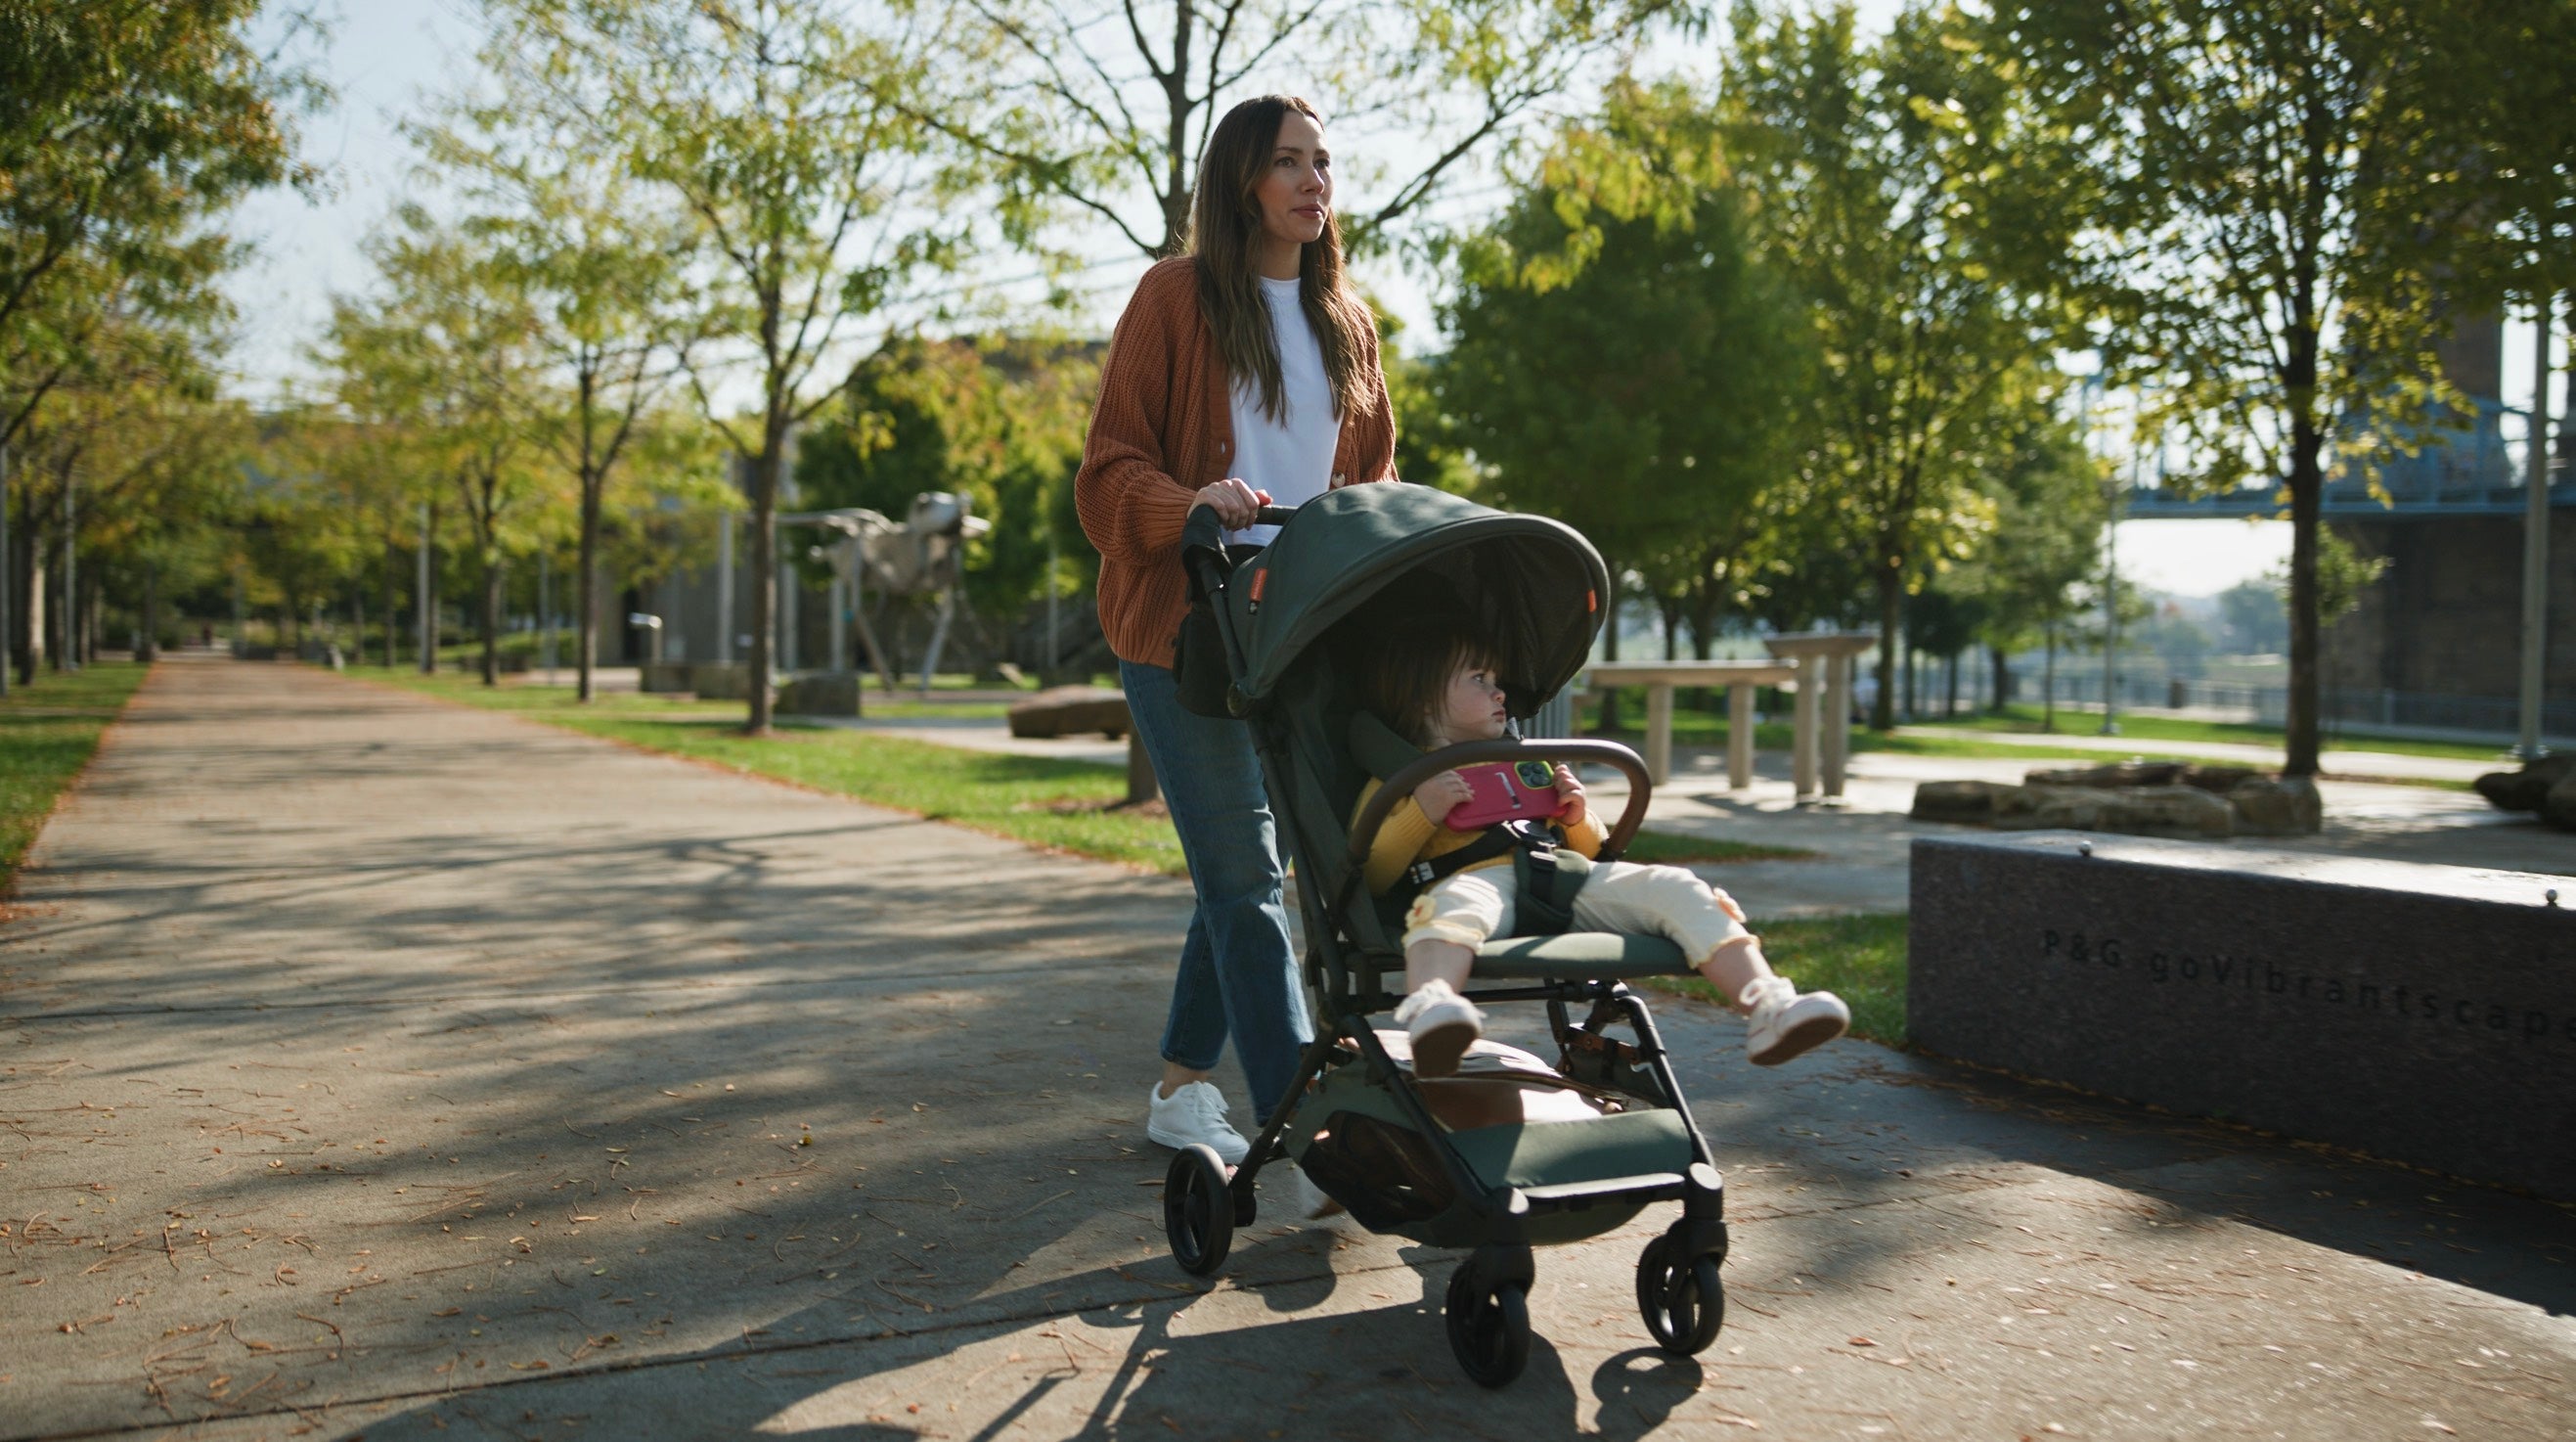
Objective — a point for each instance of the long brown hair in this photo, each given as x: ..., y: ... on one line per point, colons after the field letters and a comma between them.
x: 1225, y: 226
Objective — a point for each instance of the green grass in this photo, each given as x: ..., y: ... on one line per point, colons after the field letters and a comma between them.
x: 2021, y: 718
x: 1057, y: 804
x: 1858, y: 958
x: 48, y: 732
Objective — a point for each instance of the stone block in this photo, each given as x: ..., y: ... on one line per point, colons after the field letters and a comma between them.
x: 663, y: 677
x: 2180, y: 811
x: 2558, y: 808
x: 820, y: 693
x: 2117, y: 774
x: 721, y: 680
x: 2526, y: 789
x: 1072, y: 711
x: 1968, y: 803
x: 2425, y: 1014
x: 2266, y: 807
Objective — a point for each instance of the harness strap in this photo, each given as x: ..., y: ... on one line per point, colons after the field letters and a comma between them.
x: 1500, y: 839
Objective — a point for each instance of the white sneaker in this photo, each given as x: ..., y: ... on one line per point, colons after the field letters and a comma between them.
x: 1781, y: 1023
x: 1301, y: 1202
x: 1194, y: 1114
x: 1441, y: 1024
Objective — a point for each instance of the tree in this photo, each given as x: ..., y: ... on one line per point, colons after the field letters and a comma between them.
x: 1085, y: 112
x: 1621, y: 361
x: 2256, y: 617
x: 2024, y: 576
x: 2260, y: 168
x: 447, y: 348
x: 602, y: 278
x: 1871, y: 166
x: 123, y: 123
x: 794, y: 143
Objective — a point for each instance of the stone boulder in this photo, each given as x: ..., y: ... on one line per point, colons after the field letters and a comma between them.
x: 1071, y: 711
x: 1966, y: 803
x: 820, y: 693
x: 2125, y: 775
x: 2185, y: 812
x: 2558, y: 808
x: 2528, y: 788
x: 2265, y: 806
x: 2117, y: 775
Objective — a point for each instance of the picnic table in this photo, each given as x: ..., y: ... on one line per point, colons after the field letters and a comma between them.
x: 1815, y: 665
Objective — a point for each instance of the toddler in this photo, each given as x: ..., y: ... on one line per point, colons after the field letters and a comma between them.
x: 1434, y: 684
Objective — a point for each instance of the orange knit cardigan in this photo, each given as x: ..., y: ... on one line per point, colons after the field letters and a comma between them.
x: 1162, y: 428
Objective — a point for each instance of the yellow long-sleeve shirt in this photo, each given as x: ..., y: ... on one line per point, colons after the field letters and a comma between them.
x: 1409, y: 836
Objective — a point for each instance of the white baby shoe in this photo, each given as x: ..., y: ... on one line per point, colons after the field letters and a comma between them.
x: 1782, y: 1023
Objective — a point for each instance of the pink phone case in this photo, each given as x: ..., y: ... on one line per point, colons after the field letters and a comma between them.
x: 1505, y: 791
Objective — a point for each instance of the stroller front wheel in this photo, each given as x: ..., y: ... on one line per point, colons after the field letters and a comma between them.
x: 1198, y: 1210
x: 1489, y: 1327
x: 1681, y: 1298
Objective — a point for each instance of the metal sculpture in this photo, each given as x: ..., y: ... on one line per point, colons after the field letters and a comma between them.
x: 923, y: 554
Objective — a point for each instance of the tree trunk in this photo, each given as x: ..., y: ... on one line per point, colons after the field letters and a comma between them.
x: 1891, y: 614
x: 430, y: 603
x: 2048, y: 684
x: 2002, y: 667
x: 764, y: 564
x: 2300, y: 724
x: 147, y: 647
x: 586, y: 576
x: 490, y: 618
x: 392, y: 600
x: 23, y: 587
x: 1610, y: 651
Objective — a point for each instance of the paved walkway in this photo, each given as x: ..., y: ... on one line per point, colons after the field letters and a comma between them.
x: 372, y: 1066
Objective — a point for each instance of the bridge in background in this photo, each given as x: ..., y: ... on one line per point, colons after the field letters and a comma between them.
x: 2476, y: 470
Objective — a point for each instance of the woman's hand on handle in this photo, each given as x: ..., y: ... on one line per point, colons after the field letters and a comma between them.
x: 1235, y: 503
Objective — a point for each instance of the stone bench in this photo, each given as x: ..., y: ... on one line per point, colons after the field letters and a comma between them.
x: 2424, y: 1014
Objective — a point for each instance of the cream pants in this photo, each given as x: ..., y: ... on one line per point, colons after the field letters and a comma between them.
x: 1667, y: 901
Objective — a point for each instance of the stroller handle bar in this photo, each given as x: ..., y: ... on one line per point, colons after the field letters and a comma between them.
x: 1364, y: 828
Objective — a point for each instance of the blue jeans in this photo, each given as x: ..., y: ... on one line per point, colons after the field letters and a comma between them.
x: 1238, y: 974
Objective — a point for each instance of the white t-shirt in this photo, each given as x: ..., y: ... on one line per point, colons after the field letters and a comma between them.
x: 1292, y: 461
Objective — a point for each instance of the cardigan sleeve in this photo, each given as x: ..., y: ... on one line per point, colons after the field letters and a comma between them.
x: 1130, y: 506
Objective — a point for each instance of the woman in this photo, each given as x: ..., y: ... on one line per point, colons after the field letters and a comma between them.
x: 1243, y: 373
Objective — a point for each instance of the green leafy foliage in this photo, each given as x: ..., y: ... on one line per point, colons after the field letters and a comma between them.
x: 1622, y: 361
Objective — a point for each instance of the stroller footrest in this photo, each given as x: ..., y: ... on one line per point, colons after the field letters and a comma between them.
x: 1651, y: 1187
x: 1584, y: 955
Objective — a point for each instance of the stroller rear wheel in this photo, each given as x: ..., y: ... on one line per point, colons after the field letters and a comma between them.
x: 1488, y: 1326
x: 1681, y: 1298
x: 1198, y: 1210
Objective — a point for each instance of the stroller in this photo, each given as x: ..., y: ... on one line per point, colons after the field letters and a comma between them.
x: 1511, y: 1153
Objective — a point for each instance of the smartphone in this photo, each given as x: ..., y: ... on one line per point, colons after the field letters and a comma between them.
x: 1505, y: 791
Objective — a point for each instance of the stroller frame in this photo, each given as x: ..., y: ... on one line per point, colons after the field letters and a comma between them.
x: 1679, y: 1293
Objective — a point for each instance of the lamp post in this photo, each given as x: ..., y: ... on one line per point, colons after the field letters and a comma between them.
x: 2535, y: 543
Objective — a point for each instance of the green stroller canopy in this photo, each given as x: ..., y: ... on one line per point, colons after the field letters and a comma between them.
x: 1537, y: 587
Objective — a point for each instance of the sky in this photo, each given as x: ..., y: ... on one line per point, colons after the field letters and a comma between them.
x: 384, y: 56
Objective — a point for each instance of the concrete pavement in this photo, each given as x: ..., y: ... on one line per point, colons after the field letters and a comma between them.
x: 373, y: 1066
